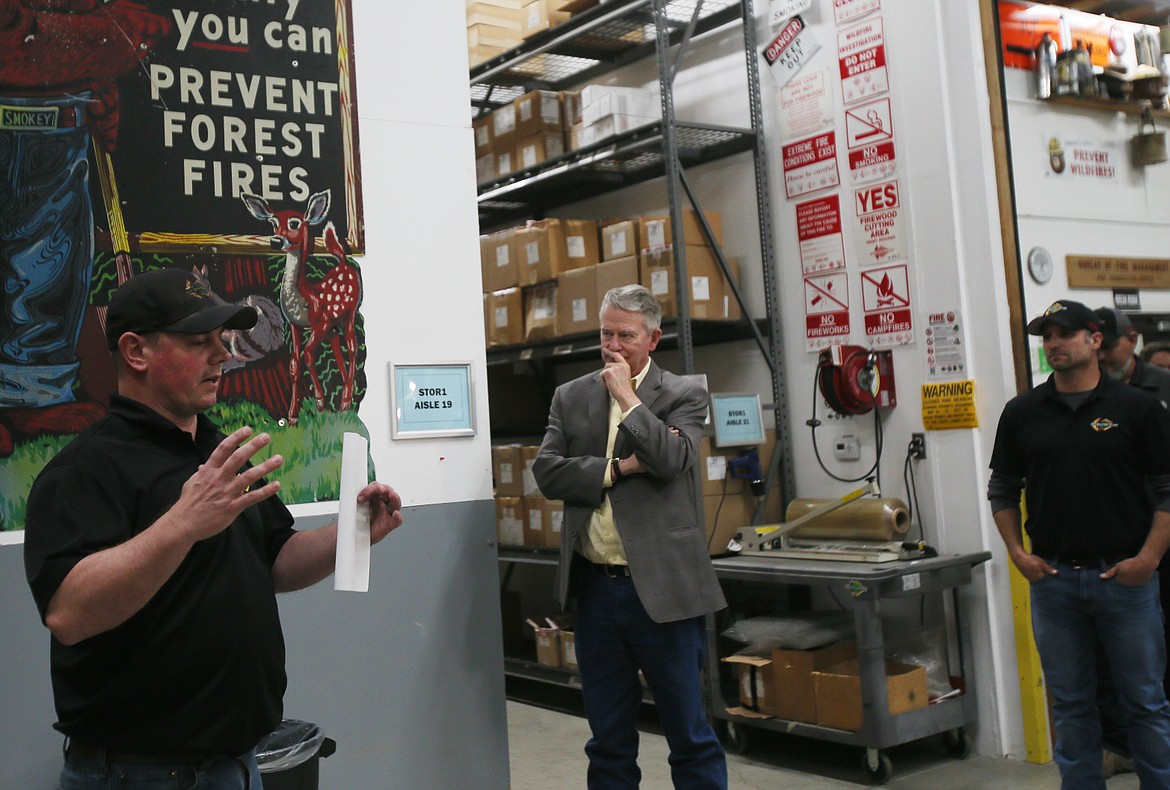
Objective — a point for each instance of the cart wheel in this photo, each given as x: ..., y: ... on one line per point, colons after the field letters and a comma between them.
x: 877, y: 766
x: 735, y: 738
x: 958, y: 743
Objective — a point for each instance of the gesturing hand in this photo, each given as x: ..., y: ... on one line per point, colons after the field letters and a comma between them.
x: 219, y: 491
x: 385, y: 509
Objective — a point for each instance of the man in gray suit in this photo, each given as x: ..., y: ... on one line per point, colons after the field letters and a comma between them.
x: 620, y: 449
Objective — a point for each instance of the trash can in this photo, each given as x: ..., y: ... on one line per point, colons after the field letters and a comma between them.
x: 288, y: 758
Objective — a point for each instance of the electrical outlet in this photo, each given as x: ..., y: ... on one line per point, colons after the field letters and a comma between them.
x: 847, y: 448
x: 918, y: 445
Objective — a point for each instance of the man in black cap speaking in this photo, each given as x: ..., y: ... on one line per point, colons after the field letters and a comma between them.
x: 1082, y: 445
x: 154, y: 551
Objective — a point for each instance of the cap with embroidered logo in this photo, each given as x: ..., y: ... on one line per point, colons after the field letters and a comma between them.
x: 170, y: 300
x: 1067, y: 313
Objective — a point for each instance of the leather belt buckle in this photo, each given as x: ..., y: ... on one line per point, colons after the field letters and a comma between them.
x: 615, y: 571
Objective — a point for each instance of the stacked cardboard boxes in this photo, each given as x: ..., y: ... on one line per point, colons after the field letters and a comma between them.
x: 493, y: 27
x: 707, y: 292
x: 608, y: 110
x: 523, y: 516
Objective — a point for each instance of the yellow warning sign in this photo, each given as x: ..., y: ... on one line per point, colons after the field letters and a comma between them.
x: 949, y: 404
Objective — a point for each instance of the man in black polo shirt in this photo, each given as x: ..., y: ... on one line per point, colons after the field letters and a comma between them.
x: 1083, y: 445
x: 1119, y: 339
x: 154, y: 552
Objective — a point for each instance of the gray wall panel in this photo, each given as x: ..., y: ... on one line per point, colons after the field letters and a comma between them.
x: 408, y: 678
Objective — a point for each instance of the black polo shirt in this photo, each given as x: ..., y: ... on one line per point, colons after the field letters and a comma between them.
x: 201, y: 667
x: 1085, y: 470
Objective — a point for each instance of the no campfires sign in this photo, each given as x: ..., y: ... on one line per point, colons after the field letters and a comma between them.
x: 885, y: 301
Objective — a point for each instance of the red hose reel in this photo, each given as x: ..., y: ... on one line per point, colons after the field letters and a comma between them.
x: 853, y: 379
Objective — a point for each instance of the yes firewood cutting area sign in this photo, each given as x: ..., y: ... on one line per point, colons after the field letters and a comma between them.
x: 879, y: 231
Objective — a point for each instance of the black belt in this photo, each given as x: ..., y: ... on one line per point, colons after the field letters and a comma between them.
x: 1088, y: 560
x: 83, y: 752
x: 612, y: 571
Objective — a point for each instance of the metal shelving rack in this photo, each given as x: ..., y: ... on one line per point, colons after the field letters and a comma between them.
x: 597, y: 41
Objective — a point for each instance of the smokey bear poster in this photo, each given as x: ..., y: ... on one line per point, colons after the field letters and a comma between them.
x: 219, y: 136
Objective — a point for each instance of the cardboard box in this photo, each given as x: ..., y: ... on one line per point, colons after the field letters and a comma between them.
x: 838, y: 692
x: 548, y: 646
x: 756, y: 684
x: 507, y: 318
x: 734, y: 512
x: 539, y: 111
x: 601, y: 101
x: 514, y: 4
x: 570, y: 111
x: 505, y: 163
x: 547, y: 248
x: 536, y: 149
x: 482, y: 36
x: 713, y: 469
x: 485, y: 168
x: 554, y: 517
x: 504, y: 127
x: 619, y: 240
x: 481, y: 128
x: 479, y: 53
x: 480, y: 13
x: 656, y: 232
x: 507, y: 470
x: 704, y: 292
x: 528, y: 455
x: 611, y: 274
x: 541, y: 15
x: 539, y: 259
x: 796, y: 698
x: 582, y: 134
x: 580, y: 242
x: 498, y: 257
x: 568, y: 650
x: 542, y: 522
x: 540, y: 312
x: 577, y: 304
x: 509, y: 520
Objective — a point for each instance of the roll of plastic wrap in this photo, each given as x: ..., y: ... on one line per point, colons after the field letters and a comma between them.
x: 863, y: 519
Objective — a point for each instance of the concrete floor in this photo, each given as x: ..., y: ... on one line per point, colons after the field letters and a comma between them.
x: 546, y: 748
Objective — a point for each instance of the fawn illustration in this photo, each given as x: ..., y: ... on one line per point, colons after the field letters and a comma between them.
x: 321, y: 310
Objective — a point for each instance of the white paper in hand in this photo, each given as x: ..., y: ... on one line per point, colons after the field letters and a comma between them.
x: 352, y: 571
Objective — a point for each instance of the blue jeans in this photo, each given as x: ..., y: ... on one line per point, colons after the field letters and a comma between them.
x: 217, y: 774
x: 46, y: 247
x: 1069, y: 612
x: 614, y: 639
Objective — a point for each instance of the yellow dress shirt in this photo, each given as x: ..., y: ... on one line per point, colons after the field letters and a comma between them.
x: 600, y: 541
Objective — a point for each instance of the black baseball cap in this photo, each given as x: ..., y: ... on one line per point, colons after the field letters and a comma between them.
x: 1114, y: 325
x: 170, y: 300
x: 1067, y: 313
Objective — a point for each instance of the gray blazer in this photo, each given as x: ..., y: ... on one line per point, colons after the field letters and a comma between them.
x: 655, y: 512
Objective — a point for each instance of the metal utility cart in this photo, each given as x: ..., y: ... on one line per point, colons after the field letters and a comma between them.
x: 867, y: 585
